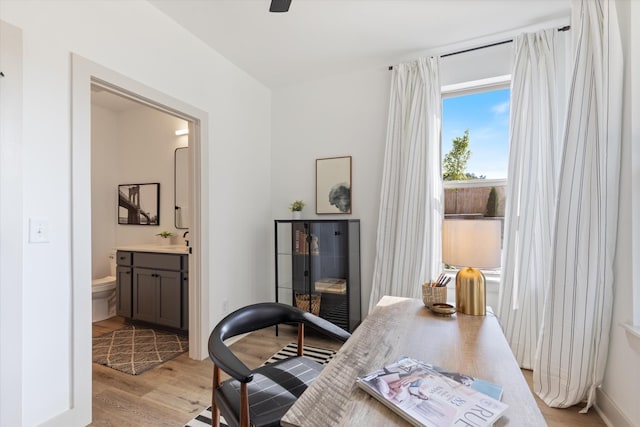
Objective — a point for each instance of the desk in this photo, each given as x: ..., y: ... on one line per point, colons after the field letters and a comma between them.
x: 474, y: 345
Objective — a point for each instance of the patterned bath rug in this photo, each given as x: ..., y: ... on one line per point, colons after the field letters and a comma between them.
x: 134, y: 350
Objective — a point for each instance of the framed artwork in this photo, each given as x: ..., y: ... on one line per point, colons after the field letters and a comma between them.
x: 333, y: 185
x: 139, y: 204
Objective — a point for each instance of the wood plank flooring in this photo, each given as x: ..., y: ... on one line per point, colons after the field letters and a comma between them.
x: 176, y: 391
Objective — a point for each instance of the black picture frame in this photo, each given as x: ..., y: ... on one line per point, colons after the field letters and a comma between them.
x: 139, y: 204
x: 333, y: 185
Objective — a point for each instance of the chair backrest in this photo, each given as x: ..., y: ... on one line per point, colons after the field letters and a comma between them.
x: 258, y: 316
x: 249, y: 319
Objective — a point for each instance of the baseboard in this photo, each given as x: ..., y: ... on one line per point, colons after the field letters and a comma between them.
x: 235, y: 339
x: 609, y: 411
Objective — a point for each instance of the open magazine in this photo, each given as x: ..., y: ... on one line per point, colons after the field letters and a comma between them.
x: 422, y: 395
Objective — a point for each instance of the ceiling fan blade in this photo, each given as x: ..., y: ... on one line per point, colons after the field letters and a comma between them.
x: 280, y: 5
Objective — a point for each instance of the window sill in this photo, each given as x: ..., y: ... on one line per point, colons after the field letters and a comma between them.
x: 633, y: 335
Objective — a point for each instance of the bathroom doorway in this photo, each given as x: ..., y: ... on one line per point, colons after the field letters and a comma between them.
x: 134, y: 140
x: 86, y: 74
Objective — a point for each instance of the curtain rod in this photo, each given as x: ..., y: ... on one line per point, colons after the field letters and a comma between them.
x: 565, y: 28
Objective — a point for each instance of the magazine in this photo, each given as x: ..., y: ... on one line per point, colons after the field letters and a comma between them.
x: 423, y: 396
x: 490, y: 389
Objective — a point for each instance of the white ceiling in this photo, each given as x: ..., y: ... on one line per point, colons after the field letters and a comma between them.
x: 320, y: 37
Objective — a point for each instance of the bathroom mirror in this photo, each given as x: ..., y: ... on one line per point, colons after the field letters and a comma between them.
x: 181, y: 187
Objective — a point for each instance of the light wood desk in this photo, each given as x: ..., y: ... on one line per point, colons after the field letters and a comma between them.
x: 474, y: 345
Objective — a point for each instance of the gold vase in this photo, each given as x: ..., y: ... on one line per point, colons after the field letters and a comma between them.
x: 471, y: 294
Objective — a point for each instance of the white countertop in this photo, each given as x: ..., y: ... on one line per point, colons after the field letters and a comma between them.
x: 167, y: 249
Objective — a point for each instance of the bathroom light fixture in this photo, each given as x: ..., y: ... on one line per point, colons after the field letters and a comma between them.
x: 181, y: 132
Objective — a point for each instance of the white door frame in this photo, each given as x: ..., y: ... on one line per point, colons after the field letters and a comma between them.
x: 84, y: 73
x: 11, y: 225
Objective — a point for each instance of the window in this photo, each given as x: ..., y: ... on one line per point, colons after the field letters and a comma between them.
x: 475, y: 151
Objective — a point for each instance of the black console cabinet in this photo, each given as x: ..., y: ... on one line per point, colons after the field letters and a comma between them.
x: 319, y: 261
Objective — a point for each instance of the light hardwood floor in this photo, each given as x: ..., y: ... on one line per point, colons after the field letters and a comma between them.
x: 176, y: 391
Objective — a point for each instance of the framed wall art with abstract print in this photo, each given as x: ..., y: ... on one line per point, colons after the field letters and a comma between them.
x: 333, y: 185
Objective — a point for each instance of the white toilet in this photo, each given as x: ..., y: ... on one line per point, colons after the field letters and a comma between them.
x: 103, y: 293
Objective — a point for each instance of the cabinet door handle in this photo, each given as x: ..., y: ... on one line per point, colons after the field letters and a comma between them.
x: 126, y: 272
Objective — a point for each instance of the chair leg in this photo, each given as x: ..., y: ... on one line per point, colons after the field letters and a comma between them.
x: 244, y: 405
x: 300, y: 339
x: 215, y: 412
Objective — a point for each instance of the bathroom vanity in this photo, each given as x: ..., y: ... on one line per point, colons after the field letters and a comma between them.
x: 152, y: 285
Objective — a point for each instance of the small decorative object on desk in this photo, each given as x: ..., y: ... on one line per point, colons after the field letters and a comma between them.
x: 442, y: 309
x: 433, y: 294
x: 426, y: 395
x: 302, y: 302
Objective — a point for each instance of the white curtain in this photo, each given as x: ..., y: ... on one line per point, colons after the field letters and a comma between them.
x: 408, y: 246
x: 572, y: 348
x: 537, y: 117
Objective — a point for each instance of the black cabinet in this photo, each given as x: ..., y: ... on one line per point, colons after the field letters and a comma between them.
x: 155, y: 289
x: 318, y: 268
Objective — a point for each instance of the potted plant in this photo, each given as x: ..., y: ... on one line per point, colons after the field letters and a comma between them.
x: 165, y: 237
x: 296, y: 209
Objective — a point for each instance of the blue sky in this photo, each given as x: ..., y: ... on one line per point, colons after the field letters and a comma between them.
x: 486, y: 115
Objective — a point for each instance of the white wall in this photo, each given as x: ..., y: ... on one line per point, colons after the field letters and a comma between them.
x: 618, y: 398
x: 145, y: 150
x: 104, y: 179
x: 137, y: 41
x: 344, y: 115
x: 128, y: 147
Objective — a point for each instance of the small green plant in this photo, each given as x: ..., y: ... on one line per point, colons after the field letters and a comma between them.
x: 165, y: 234
x: 296, y: 206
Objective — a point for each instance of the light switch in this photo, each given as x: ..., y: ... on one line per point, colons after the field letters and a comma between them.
x: 38, y: 230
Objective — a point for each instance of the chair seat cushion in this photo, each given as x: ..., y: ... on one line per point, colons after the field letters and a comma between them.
x: 275, y: 387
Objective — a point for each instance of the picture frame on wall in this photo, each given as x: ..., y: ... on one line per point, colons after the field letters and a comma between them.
x: 139, y: 204
x: 333, y: 185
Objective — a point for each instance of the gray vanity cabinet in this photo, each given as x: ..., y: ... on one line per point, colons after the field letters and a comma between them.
x: 158, y: 289
x: 124, y: 288
x: 156, y: 296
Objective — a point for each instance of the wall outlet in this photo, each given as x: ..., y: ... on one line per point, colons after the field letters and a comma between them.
x: 225, y: 307
x: 38, y: 230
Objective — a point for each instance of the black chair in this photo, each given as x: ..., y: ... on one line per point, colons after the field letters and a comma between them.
x: 260, y: 397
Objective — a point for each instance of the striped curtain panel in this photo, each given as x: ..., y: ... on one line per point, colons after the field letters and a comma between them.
x: 408, y: 245
x: 573, y: 344
x: 537, y: 119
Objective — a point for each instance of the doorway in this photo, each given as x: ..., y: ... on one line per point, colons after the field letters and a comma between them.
x: 139, y: 158
x: 85, y: 74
